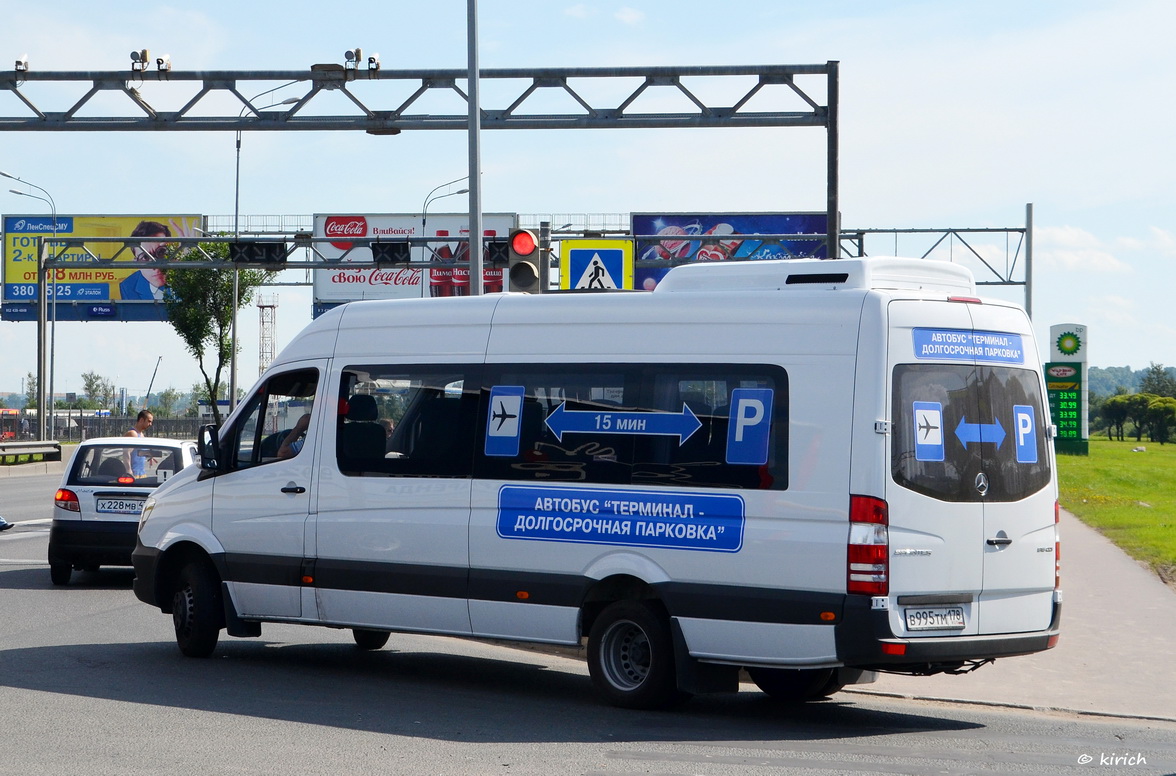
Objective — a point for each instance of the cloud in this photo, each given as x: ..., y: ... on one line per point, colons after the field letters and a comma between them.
x: 1072, y: 248
x: 1163, y: 241
x: 1116, y: 310
x: 629, y: 16
x: 579, y: 11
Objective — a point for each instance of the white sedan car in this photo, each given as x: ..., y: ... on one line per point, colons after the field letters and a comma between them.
x: 96, y: 509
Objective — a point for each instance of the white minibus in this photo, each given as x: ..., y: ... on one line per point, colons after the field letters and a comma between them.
x: 811, y: 470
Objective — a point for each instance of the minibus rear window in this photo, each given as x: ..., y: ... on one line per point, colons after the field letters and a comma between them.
x: 954, y: 421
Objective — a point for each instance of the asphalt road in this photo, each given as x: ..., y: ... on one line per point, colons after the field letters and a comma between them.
x: 92, y: 682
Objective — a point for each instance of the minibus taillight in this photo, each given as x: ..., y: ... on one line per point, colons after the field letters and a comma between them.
x: 868, y: 556
x: 67, y: 499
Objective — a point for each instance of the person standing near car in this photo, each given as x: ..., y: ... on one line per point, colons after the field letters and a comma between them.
x: 138, y: 463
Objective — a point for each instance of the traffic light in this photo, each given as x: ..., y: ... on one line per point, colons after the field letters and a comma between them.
x: 497, y: 252
x: 525, y: 262
x: 390, y: 252
x: 264, y: 254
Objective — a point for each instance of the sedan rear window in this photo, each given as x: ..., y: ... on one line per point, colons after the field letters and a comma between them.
x: 128, y: 465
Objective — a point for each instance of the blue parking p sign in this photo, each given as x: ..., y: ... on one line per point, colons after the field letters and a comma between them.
x: 1025, y: 433
x: 750, y: 425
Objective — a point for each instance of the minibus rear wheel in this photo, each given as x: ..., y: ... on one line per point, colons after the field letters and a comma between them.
x: 197, y: 610
x: 631, y: 656
x: 796, y: 685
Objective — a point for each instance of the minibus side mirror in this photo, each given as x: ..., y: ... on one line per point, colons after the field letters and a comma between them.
x: 208, y: 444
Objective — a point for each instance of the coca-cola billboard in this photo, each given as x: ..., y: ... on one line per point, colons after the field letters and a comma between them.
x: 343, y: 227
x: 356, y: 278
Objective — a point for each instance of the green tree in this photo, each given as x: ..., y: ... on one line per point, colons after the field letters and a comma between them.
x: 166, y: 403
x: 200, y: 394
x: 1114, y: 412
x: 1137, y: 404
x: 92, y: 385
x: 1161, y: 415
x: 1158, y: 381
x: 30, y: 391
x: 200, y: 308
x: 99, y: 391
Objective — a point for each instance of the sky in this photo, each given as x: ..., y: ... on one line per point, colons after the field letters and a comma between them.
x: 953, y: 115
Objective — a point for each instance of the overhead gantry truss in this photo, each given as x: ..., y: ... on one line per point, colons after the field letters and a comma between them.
x: 388, y: 101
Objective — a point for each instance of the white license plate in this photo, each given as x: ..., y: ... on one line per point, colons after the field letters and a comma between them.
x: 935, y: 618
x: 120, y: 506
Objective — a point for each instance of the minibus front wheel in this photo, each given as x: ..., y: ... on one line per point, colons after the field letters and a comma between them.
x: 197, y: 611
x: 631, y: 656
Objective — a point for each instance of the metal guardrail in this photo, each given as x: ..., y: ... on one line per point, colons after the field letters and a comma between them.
x: 12, y: 452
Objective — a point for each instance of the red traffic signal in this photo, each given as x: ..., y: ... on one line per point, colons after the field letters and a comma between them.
x: 524, y: 262
x: 523, y: 242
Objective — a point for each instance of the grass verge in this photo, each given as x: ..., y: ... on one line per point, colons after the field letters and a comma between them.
x: 1130, y: 497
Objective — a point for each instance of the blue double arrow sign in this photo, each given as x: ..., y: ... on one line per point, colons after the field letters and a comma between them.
x: 980, y: 433
x: 680, y: 424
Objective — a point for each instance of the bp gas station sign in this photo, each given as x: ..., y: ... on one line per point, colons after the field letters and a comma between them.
x: 1066, y: 386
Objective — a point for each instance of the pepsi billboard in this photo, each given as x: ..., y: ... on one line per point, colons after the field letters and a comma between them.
x: 685, y: 237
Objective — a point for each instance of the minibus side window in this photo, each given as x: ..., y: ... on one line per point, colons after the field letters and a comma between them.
x: 754, y: 398
x: 405, y: 421
x: 547, y: 450
x: 278, y: 408
x: 642, y: 424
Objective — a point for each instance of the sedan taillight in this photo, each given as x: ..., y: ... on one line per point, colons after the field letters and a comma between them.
x: 67, y: 499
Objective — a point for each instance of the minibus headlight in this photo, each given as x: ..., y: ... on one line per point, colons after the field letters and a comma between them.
x: 148, y: 505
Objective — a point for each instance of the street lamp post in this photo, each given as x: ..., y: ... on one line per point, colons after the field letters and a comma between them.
x: 430, y: 198
x: 41, y: 309
x: 237, y: 236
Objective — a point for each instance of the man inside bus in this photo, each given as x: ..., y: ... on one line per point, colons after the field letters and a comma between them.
x: 292, y: 442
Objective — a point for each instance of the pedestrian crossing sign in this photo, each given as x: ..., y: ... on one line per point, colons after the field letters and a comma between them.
x: 603, y: 265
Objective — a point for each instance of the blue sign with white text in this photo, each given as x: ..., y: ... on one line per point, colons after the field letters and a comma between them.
x: 679, y: 520
x: 102, y: 311
x: 993, y: 347
x: 680, y: 424
x: 38, y: 225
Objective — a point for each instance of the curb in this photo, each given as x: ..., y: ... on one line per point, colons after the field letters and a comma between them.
x: 578, y: 653
x: 1017, y: 706
x: 25, y: 469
